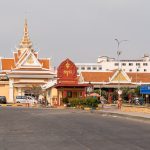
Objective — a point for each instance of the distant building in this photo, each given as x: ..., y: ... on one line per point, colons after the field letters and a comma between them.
x: 114, y: 80
x: 105, y: 63
x: 24, y: 71
x: 110, y: 74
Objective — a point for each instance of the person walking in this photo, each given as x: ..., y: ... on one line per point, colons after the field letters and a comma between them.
x: 119, y: 102
x: 102, y: 99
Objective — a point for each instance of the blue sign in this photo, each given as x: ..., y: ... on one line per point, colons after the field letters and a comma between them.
x: 145, y: 89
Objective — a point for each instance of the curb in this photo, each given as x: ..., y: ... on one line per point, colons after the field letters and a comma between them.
x: 122, y: 115
x: 13, y: 105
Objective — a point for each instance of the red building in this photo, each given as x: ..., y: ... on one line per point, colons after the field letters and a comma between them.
x: 67, y: 82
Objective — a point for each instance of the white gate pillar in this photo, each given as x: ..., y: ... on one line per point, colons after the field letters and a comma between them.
x: 11, y: 91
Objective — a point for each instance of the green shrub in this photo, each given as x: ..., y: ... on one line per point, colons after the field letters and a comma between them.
x: 76, y: 102
x: 83, y: 102
x: 65, y: 100
x: 91, y: 102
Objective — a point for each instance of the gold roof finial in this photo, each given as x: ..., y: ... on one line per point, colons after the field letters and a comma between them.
x: 25, y: 42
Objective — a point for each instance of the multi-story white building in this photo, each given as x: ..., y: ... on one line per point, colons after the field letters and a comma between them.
x: 105, y: 63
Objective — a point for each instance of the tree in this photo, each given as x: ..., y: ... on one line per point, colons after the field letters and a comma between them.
x: 35, y: 90
x: 137, y: 90
x: 102, y: 93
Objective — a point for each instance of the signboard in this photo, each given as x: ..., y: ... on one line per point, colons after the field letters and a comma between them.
x: 67, y: 72
x: 119, y: 92
x: 145, y: 89
x: 89, y: 89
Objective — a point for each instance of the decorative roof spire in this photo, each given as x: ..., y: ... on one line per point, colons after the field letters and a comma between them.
x: 25, y: 42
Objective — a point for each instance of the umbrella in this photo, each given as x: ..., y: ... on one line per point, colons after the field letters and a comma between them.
x: 95, y: 94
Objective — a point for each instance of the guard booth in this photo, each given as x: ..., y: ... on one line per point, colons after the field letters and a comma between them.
x: 145, y: 90
x: 67, y: 82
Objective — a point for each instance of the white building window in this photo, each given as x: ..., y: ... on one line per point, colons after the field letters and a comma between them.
x: 145, y: 70
x: 145, y: 64
x: 94, y: 68
x: 82, y: 68
x: 88, y: 68
x: 116, y: 64
x: 137, y: 64
x: 123, y: 64
x: 130, y: 64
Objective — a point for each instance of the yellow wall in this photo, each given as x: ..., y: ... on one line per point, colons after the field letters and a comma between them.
x: 4, y: 90
x: 51, y: 93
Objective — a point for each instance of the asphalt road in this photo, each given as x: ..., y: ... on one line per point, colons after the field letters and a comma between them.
x: 50, y: 129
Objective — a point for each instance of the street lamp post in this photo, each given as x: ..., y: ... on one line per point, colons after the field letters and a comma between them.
x: 100, y: 91
x: 119, y: 51
x: 119, y: 67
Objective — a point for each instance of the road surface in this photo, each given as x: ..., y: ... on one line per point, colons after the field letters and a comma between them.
x: 51, y: 129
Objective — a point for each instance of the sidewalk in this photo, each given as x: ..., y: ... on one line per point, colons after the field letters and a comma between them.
x: 113, y: 111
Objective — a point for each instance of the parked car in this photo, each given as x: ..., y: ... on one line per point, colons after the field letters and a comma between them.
x: 21, y: 99
x: 26, y: 99
x: 32, y: 100
x: 3, y: 100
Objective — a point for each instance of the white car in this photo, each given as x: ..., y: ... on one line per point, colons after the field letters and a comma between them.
x: 21, y: 99
x: 31, y: 99
x: 26, y: 99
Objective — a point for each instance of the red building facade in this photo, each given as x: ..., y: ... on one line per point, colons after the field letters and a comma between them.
x: 67, y: 82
